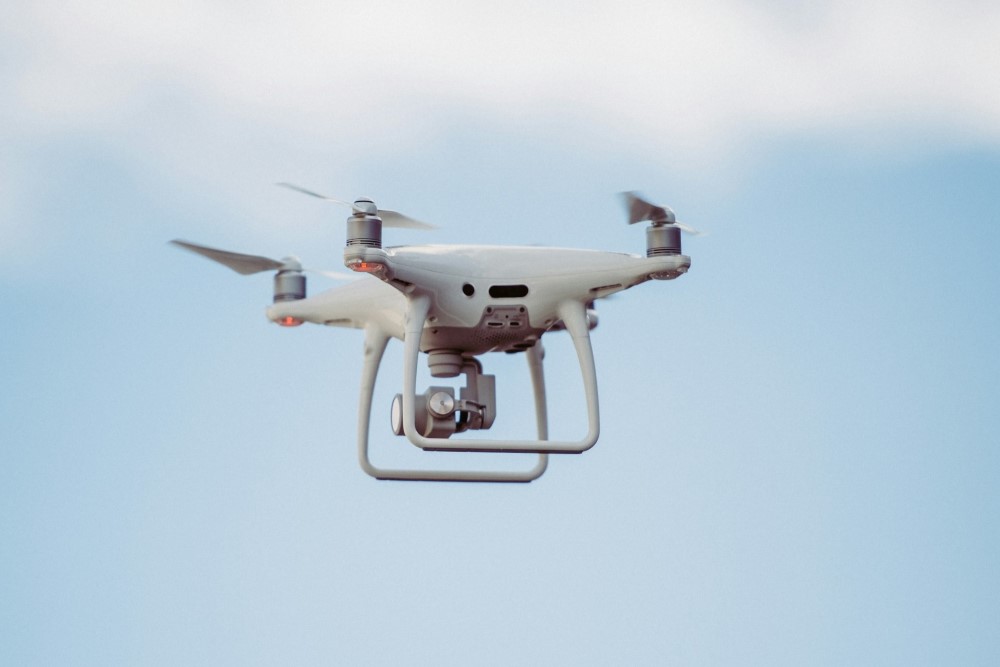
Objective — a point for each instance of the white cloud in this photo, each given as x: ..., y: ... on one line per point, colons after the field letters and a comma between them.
x: 706, y: 70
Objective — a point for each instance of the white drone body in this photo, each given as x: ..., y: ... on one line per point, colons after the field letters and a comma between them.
x: 454, y: 303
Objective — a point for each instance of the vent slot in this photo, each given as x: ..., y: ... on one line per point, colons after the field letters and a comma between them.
x: 508, y: 291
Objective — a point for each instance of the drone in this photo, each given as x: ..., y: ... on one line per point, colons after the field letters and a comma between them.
x: 455, y: 303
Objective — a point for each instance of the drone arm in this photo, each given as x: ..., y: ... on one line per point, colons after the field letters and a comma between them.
x: 375, y: 344
x: 574, y: 315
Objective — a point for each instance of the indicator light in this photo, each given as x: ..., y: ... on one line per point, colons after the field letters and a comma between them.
x: 366, y: 267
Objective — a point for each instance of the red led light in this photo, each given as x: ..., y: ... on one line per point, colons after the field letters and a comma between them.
x: 367, y: 267
x: 289, y: 321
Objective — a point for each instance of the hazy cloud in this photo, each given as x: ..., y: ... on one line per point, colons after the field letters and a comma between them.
x: 696, y: 73
x: 198, y: 84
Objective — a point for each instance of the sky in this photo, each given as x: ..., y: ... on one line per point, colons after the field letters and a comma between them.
x: 798, y: 460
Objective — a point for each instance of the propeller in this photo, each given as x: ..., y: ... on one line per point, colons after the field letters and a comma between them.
x: 640, y: 210
x: 250, y: 264
x: 367, y: 207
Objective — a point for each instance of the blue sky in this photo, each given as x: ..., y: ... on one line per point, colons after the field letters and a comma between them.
x: 798, y: 460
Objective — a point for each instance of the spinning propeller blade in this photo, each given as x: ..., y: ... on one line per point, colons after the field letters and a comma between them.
x: 250, y: 264
x: 292, y: 186
x: 238, y: 262
x: 640, y: 210
x: 400, y: 221
x: 364, y: 206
